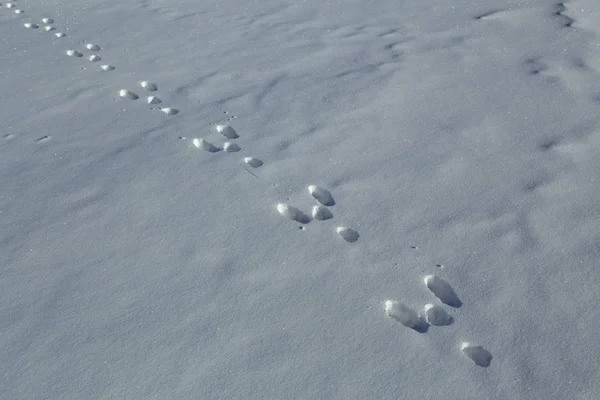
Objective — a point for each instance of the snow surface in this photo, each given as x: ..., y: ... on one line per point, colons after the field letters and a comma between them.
x: 141, y: 257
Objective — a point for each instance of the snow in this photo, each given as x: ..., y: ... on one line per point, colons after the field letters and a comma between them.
x: 450, y: 150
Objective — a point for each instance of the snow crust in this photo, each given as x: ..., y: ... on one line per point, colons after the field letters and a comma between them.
x: 450, y: 149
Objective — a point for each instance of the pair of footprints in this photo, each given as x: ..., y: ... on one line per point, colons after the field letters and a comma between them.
x: 320, y: 212
x: 229, y: 146
x: 48, y: 25
x: 94, y: 48
x: 13, y: 5
x: 152, y: 100
x: 436, y: 316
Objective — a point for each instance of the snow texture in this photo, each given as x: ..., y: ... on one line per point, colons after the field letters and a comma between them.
x: 168, y: 248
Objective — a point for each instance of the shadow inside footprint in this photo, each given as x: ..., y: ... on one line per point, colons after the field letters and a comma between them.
x: 321, y: 213
x: 348, y: 234
x: 205, y: 145
x: 443, y: 291
x: 323, y: 196
x: 293, y: 213
x: 436, y: 315
x: 406, y: 316
x: 478, y: 354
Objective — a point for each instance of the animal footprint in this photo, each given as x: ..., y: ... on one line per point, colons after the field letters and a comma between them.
x: 478, y: 354
x: 321, y: 213
x: 253, y: 162
x: 154, y: 100
x: 169, y: 110
x: 74, y: 53
x: 227, y: 131
x: 292, y: 213
x: 323, y: 196
x: 92, y: 47
x: 231, y: 147
x: 436, y: 315
x: 149, y: 86
x: 128, y: 94
x: 443, y: 291
x: 205, y: 145
x: 107, y: 67
x: 30, y: 25
x: 405, y: 315
x: 349, y: 235
x: 94, y: 58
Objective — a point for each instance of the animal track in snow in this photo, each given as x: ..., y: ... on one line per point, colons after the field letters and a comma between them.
x: 49, y: 28
x: 205, y: 145
x: 436, y: 315
x: 107, y: 67
x: 30, y: 25
x: 321, y: 213
x: 94, y: 58
x: 92, y: 47
x: 442, y: 290
x: 17, y: 11
x: 128, y: 94
x: 9, y: 5
x: 60, y: 35
x: 47, y: 20
x: 323, y: 196
x: 169, y: 110
x: 478, y: 354
x: 405, y: 315
x: 253, y: 162
x: 227, y: 131
x: 292, y: 213
x: 149, y: 86
x: 154, y: 100
x: 74, y: 53
x: 231, y: 147
x: 348, y: 234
